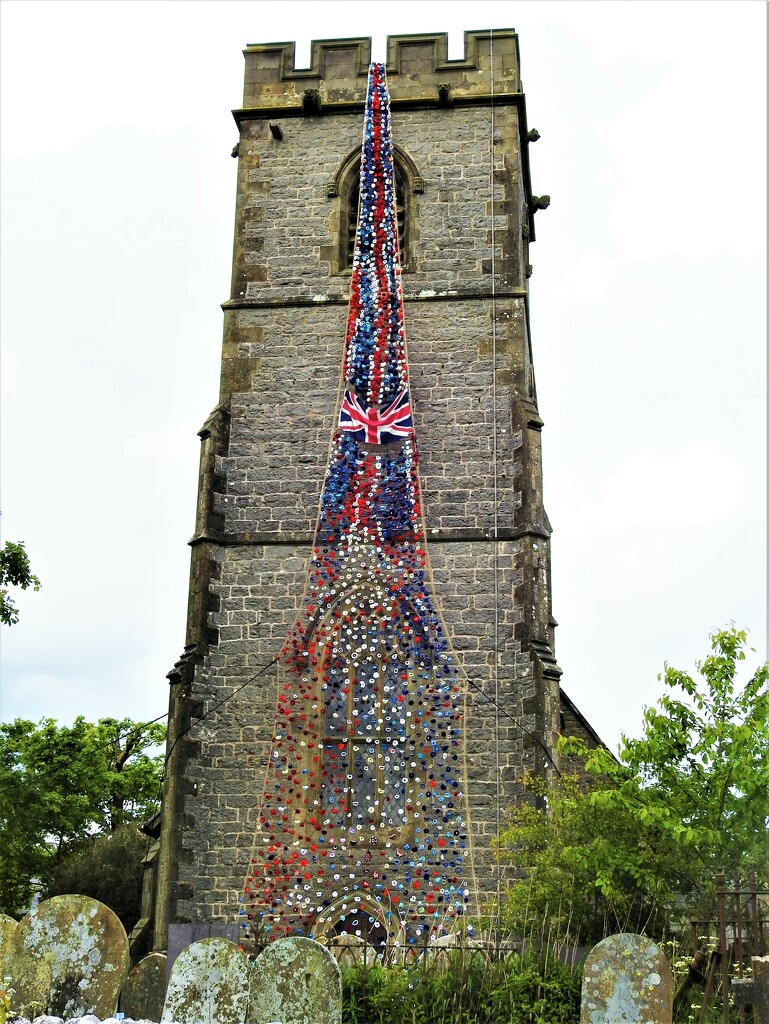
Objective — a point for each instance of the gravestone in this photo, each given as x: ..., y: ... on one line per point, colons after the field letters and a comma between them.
x: 144, y: 991
x: 754, y: 991
x: 180, y: 936
x: 68, y: 957
x: 626, y: 980
x: 209, y: 982
x: 295, y: 981
x: 440, y: 951
x: 8, y: 926
x: 351, y: 950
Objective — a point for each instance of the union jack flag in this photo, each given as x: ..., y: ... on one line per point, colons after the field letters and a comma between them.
x: 374, y: 426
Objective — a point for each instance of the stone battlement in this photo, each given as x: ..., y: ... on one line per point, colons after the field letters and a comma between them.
x: 418, y: 70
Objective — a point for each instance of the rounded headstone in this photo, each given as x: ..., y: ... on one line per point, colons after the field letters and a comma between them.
x: 351, y: 950
x: 69, y: 957
x: 626, y: 979
x: 441, y: 950
x: 209, y: 982
x: 144, y: 991
x: 295, y: 981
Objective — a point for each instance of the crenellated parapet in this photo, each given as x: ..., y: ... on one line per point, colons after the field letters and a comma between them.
x: 419, y: 72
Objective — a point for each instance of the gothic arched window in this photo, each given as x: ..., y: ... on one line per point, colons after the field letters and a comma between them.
x: 401, y: 212
x: 368, y: 710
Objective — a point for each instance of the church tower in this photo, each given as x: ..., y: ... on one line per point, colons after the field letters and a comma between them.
x: 369, y: 669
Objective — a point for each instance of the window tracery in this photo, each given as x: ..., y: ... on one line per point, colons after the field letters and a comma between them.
x: 401, y: 213
x: 369, y: 711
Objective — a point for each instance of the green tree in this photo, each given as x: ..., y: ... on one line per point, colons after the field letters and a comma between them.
x: 587, y: 870
x: 61, y: 785
x: 14, y: 571
x: 108, y: 867
x: 689, y: 796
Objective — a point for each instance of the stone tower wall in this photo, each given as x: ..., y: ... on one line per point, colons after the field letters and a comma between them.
x: 265, y: 446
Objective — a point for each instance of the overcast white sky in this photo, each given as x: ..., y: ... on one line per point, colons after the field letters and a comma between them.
x: 648, y: 306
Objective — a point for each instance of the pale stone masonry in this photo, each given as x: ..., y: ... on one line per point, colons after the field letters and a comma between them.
x: 265, y: 446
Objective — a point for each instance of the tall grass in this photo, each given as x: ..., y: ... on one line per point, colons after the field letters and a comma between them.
x: 464, y: 986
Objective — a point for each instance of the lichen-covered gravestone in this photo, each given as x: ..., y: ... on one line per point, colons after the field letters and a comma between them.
x: 68, y: 957
x: 8, y: 926
x: 295, y: 981
x: 144, y: 991
x: 209, y: 982
x: 626, y: 980
x: 440, y: 951
x: 351, y: 950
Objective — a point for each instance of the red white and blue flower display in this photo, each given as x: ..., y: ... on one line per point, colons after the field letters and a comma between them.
x: 362, y: 827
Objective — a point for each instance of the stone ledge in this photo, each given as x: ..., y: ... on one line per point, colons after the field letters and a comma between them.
x: 437, y: 536
x: 294, y: 109
x: 452, y: 295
